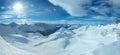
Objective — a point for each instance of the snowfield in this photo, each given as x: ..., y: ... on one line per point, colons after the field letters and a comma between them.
x: 7, y: 49
x: 78, y: 40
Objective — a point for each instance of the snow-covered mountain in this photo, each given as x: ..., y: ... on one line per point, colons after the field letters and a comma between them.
x: 42, y: 28
x: 62, y: 39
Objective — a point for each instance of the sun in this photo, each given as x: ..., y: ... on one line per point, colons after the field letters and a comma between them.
x: 18, y: 7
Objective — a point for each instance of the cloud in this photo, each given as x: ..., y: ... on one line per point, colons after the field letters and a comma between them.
x: 103, y: 18
x: 115, y: 6
x: 72, y: 22
x: 83, y: 7
x: 106, y: 7
x: 32, y: 21
x: 115, y: 2
x: 5, y: 16
x: 2, y: 7
x: 74, y: 8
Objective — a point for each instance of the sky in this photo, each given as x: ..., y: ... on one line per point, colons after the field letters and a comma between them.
x: 60, y: 11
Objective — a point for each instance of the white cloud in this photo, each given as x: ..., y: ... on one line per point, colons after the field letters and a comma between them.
x: 116, y: 6
x: 103, y: 18
x: 55, y: 21
x: 73, y: 7
x: 101, y: 9
x: 5, y: 16
x: 2, y: 7
x: 105, y: 7
x: 76, y: 7
x: 115, y: 2
x: 61, y: 22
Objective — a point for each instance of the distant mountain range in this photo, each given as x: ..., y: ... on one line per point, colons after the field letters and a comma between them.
x: 42, y: 28
x: 59, y: 39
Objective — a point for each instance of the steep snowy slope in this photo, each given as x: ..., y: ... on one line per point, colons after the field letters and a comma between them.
x: 61, y: 33
x: 54, y: 44
x: 88, y: 38
x: 7, y: 49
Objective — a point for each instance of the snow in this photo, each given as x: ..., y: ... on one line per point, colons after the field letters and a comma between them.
x: 78, y: 40
x: 7, y: 49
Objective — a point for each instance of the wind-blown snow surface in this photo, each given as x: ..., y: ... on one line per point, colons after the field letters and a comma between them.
x: 85, y: 40
x: 7, y: 49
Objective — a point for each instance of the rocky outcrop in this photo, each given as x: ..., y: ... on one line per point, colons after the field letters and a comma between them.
x: 117, y: 21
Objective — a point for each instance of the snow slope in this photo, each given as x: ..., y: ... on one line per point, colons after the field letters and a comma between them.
x: 7, y: 49
x: 85, y: 40
x: 88, y: 38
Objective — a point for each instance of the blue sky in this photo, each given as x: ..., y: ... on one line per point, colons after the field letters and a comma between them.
x: 60, y: 11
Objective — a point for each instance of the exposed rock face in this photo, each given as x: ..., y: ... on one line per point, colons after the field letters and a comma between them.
x: 117, y: 21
